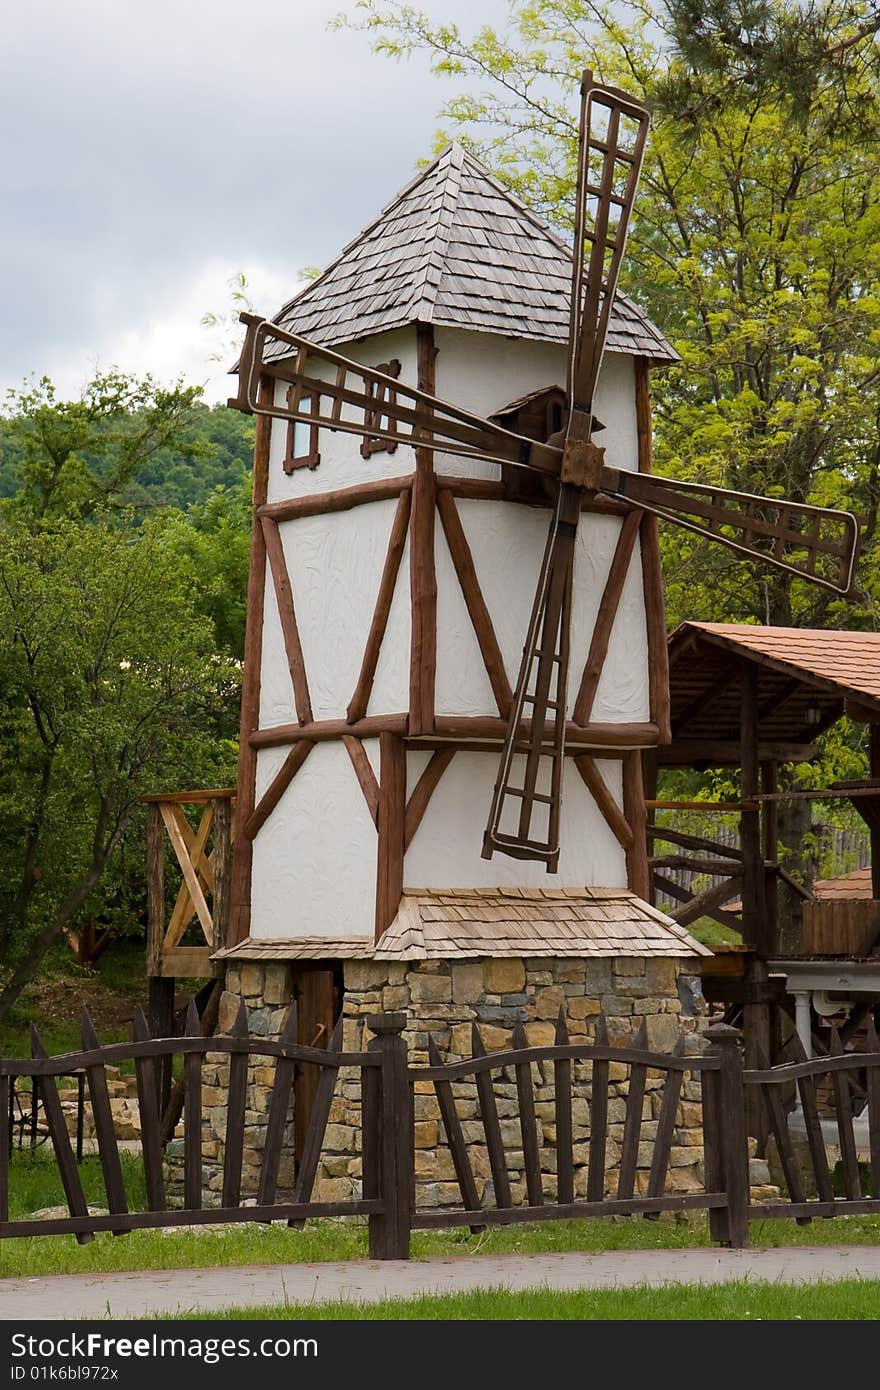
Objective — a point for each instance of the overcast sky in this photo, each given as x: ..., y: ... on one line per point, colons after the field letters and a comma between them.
x: 151, y: 151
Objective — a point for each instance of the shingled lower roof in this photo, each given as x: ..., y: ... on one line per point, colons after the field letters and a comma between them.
x: 456, y: 249
x: 471, y: 922
x: 464, y: 923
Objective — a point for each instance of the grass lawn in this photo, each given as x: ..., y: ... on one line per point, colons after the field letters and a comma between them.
x: 840, y: 1300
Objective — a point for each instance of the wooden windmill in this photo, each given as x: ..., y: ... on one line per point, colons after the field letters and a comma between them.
x: 589, y: 608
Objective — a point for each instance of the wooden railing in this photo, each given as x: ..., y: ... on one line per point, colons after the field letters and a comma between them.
x: 203, y: 853
x: 388, y: 1086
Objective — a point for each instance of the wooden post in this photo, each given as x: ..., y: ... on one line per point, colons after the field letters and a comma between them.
x: 155, y: 888
x: 240, y: 888
x: 391, y: 826
x: 750, y: 825
x: 637, y: 871
x: 650, y: 778
x: 727, y: 1154
x: 160, y: 989
x: 423, y: 577
x: 875, y: 830
x: 388, y: 1117
x: 652, y: 574
x: 222, y: 874
x: 770, y: 850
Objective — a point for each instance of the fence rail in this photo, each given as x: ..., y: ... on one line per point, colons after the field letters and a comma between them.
x: 388, y: 1087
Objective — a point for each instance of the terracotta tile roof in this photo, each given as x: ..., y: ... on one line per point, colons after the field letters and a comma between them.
x: 854, y: 885
x: 847, y: 661
x: 439, y: 924
x: 455, y: 248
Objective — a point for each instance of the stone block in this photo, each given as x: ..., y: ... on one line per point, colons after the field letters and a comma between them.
x: 467, y: 982
x: 497, y: 1013
x: 568, y: 972
x: 629, y: 966
x: 661, y: 974
x: 540, y: 1034
x: 430, y: 989
x: 496, y: 1039
x: 662, y: 1032
x: 333, y: 1190
x: 597, y: 976
x: 426, y: 1134
x: 364, y: 974
x: 582, y: 1007
x: 277, y: 988
x: 504, y: 976
x: 339, y: 1138
x: 229, y: 1003
x: 266, y: 1022
x: 395, y: 997
x: 549, y: 1001
x: 617, y: 1006
x: 251, y: 978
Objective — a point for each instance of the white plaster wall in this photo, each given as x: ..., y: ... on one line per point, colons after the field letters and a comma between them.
x: 482, y: 373
x: 314, y: 868
x: 507, y: 543
x: 335, y: 564
x: 445, y: 852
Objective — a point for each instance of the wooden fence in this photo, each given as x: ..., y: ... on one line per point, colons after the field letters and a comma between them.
x: 388, y: 1082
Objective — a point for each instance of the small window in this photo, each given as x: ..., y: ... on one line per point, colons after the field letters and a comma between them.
x: 302, y: 437
x: 373, y: 414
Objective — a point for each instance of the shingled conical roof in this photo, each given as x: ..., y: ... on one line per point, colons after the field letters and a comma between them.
x: 455, y: 248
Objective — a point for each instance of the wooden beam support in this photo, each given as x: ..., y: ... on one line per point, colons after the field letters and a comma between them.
x: 875, y: 829
x: 365, y: 774
x: 598, y: 789
x: 716, y: 752
x: 277, y: 787
x: 478, y: 613
x: 357, y: 707
x: 637, y: 871
x: 750, y: 825
x: 339, y: 500
x: 608, y: 606
x: 459, y: 729
x: 423, y: 791
x: 245, y: 797
x: 287, y: 614
x: 652, y: 571
x: 423, y: 577
x: 392, y: 829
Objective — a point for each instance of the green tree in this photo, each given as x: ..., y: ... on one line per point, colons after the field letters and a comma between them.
x: 73, y: 458
x: 756, y: 244
x: 110, y: 687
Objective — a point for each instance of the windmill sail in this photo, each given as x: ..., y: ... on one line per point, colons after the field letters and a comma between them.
x: 365, y: 401
x: 524, y: 816
x: 815, y: 543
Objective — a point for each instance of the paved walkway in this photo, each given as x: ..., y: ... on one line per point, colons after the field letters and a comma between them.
x: 142, y: 1292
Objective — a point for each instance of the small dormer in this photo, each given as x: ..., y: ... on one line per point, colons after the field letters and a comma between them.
x: 537, y: 415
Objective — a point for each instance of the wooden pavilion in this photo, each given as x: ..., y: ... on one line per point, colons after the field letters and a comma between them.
x: 755, y: 699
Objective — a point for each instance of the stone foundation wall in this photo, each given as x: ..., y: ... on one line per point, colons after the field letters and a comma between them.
x: 444, y: 999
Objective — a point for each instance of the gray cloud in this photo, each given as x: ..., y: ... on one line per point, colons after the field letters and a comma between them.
x: 146, y: 144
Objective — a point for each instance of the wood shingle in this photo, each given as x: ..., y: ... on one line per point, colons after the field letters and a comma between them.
x: 456, y: 249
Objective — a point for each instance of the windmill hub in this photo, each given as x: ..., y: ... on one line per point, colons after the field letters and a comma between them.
x: 582, y: 463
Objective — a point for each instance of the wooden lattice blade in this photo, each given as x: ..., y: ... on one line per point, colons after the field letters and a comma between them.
x: 819, y: 544
x: 611, y: 148
x: 528, y: 787
x: 361, y: 400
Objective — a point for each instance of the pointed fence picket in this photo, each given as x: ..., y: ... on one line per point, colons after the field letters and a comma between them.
x: 388, y: 1082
